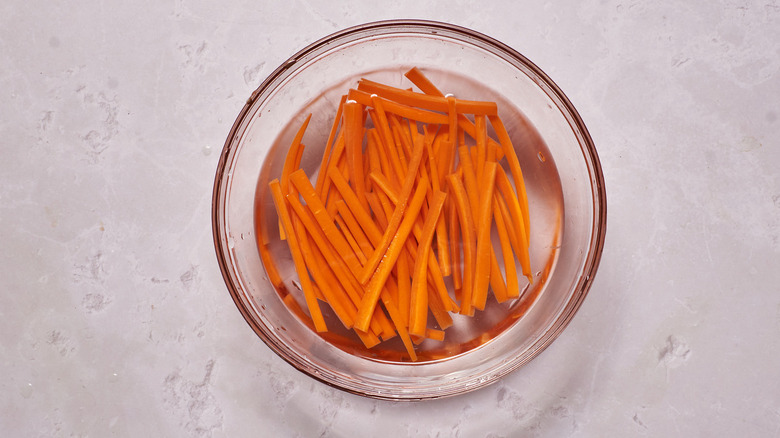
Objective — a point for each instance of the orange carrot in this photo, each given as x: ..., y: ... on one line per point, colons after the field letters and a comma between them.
x: 514, y: 167
x: 334, y: 261
x: 301, y: 182
x: 512, y: 287
x: 425, y: 101
x: 389, y: 256
x: 422, y: 82
x: 300, y: 264
x: 353, y: 132
x: 395, y: 220
x: 419, y: 299
x: 401, y: 109
x: 329, y: 287
x: 502, y: 181
x: 328, y: 147
x: 354, y: 228
x: 484, y: 244
x: 441, y: 230
x: 454, y: 235
x: 463, y: 208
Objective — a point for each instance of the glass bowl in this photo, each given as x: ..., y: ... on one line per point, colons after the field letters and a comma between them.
x: 567, y: 203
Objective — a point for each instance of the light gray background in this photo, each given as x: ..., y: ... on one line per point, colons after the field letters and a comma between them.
x: 115, y: 321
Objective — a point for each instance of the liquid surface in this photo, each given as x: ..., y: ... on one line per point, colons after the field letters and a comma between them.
x: 545, y: 206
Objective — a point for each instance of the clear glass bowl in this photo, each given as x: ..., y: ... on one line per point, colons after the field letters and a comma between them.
x: 565, y: 184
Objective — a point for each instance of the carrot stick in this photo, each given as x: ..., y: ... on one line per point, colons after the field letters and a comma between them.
x: 484, y: 244
x: 300, y: 265
x: 440, y: 314
x: 514, y: 240
x: 441, y: 230
x: 427, y: 87
x: 514, y: 167
x: 463, y: 208
x: 454, y: 235
x: 433, y: 267
x: 385, y: 168
x: 389, y: 256
x: 403, y: 278
x: 362, y: 216
x: 328, y: 147
x: 404, y: 110
x: 342, y: 226
x: 515, y: 211
x: 469, y: 180
x: 354, y: 228
x: 339, y: 302
x: 333, y: 260
x: 396, y: 317
x: 423, y: 83
x: 436, y: 335
x: 383, y: 184
x: 292, y: 155
x: 395, y: 220
x: 419, y: 298
x: 333, y: 162
x: 481, y: 131
x: 353, y: 135
x: 302, y: 183
x: 512, y: 286
x: 386, y: 135
x: 425, y: 101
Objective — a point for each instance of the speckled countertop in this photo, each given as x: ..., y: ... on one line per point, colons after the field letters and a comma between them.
x: 115, y: 320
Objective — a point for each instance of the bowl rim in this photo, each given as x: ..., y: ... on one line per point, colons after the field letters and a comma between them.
x: 599, y: 201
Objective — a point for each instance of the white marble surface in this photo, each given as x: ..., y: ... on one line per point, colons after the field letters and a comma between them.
x: 115, y: 321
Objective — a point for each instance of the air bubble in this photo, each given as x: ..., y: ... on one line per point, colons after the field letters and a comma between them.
x: 231, y: 242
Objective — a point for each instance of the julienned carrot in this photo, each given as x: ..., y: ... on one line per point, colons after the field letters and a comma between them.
x: 419, y: 298
x: 363, y: 239
x: 422, y: 82
x: 512, y: 287
x: 333, y: 261
x: 354, y: 228
x: 385, y: 134
x: 388, y: 258
x: 384, y: 185
x: 518, y: 221
x: 356, y: 249
x: 363, y: 217
x: 467, y: 231
x: 427, y: 87
x: 425, y: 101
x: 484, y: 244
x: 291, y: 161
x: 353, y: 137
x: 328, y: 147
x: 400, y: 109
x: 454, y: 235
x: 293, y: 155
x: 514, y: 167
x: 300, y: 264
x: 301, y: 182
x: 395, y: 220
x: 434, y: 269
x: 339, y: 302
x: 441, y: 230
